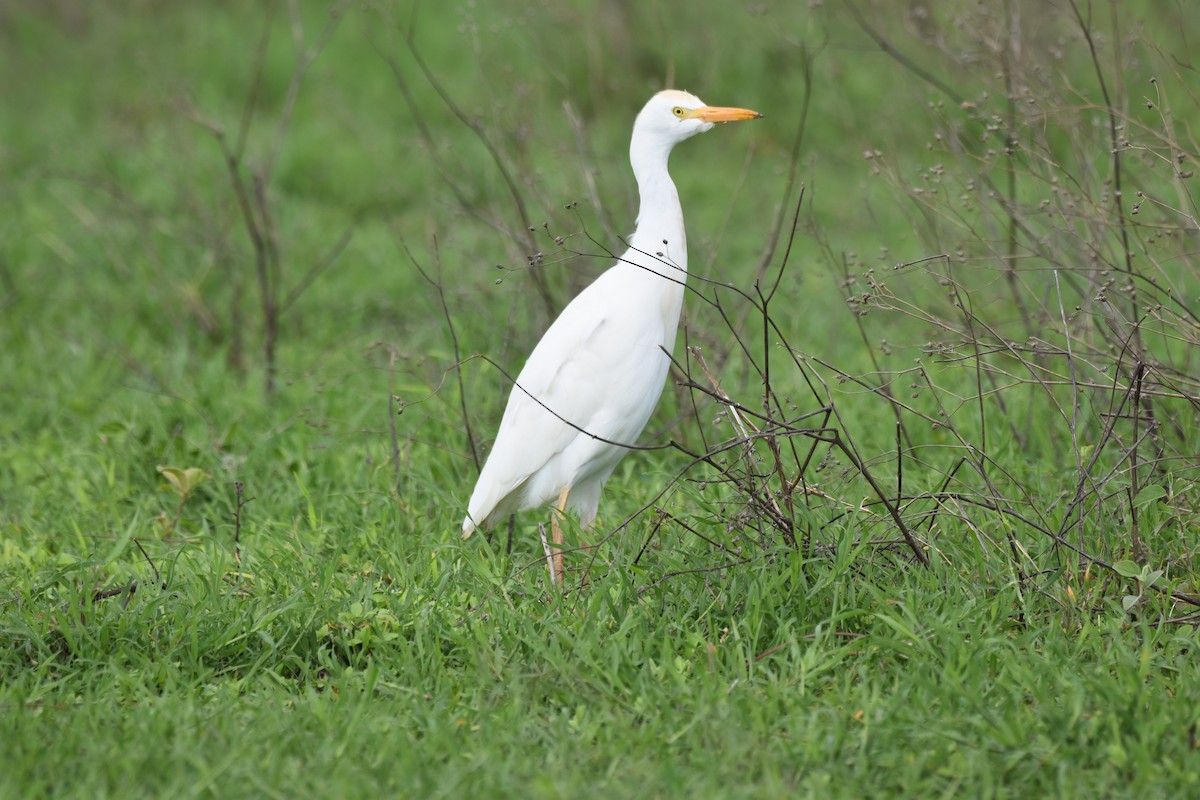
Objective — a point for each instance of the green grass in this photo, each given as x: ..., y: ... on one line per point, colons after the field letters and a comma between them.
x: 349, y: 643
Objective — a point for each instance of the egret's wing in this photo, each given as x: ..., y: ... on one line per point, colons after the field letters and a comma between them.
x: 568, y: 376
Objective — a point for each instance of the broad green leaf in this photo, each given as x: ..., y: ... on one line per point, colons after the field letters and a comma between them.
x: 174, y: 476
x: 183, y: 481
x: 1127, y: 568
x: 1150, y: 494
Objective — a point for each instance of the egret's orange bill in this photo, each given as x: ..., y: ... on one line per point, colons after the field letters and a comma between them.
x: 719, y: 114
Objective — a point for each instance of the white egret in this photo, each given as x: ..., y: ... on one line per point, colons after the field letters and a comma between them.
x: 592, y: 382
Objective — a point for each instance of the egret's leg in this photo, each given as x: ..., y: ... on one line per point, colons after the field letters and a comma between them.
x: 556, y: 534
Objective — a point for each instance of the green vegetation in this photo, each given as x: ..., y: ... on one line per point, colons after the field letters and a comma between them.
x: 980, y: 355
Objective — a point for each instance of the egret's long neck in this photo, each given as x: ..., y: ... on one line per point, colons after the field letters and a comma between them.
x: 660, y: 217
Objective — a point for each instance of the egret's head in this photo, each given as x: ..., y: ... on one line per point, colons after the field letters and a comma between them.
x: 672, y: 116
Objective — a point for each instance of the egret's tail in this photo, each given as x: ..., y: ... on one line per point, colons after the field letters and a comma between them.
x: 468, y: 528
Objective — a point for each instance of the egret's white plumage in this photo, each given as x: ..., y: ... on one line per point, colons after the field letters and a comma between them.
x: 601, y: 364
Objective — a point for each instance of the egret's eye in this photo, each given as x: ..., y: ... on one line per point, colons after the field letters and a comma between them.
x: 679, y: 112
